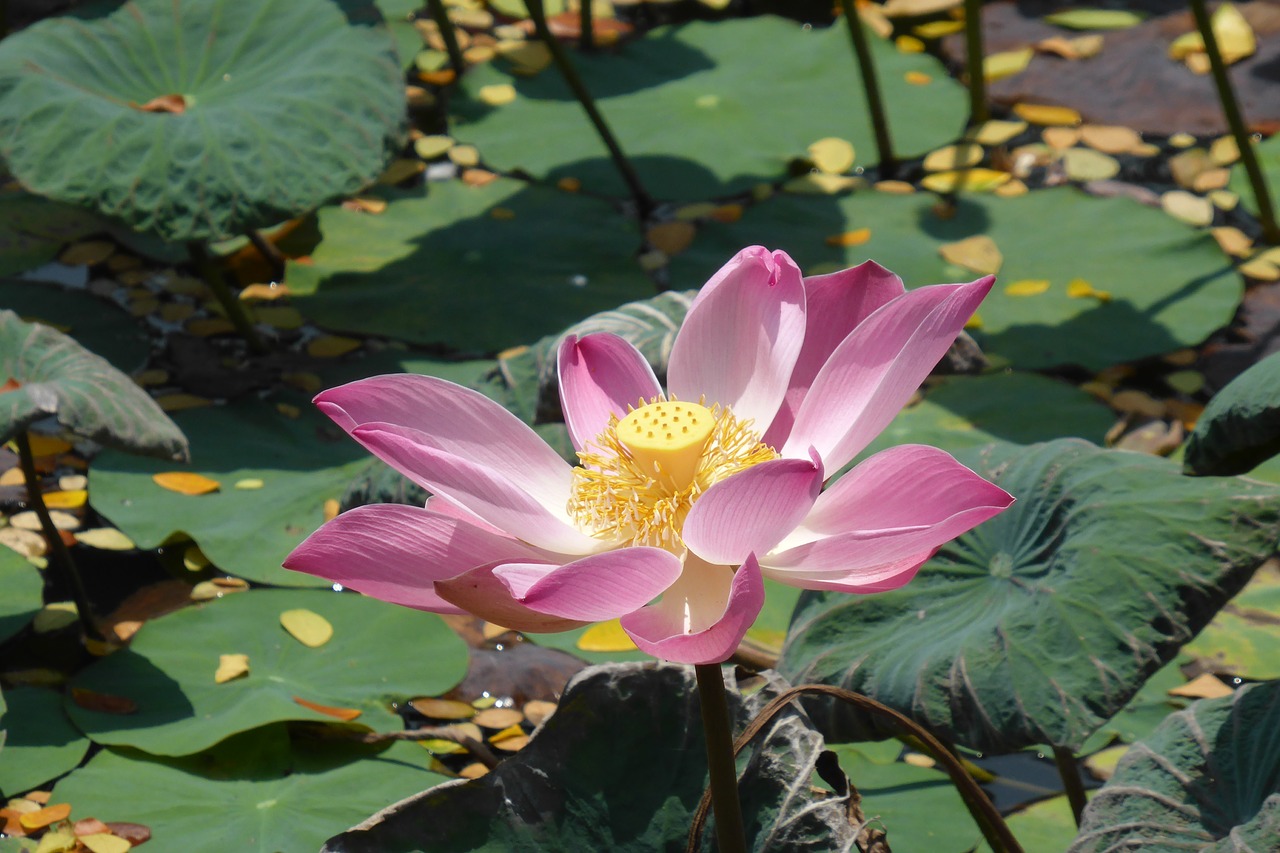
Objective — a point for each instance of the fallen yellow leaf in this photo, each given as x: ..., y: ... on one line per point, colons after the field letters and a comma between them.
x: 497, y: 94
x: 849, y: 238
x: 344, y: 714
x: 605, y: 637
x: 66, y: 500
x: 331, y: 346
x: 1078, y: 288
x: 832, y: 155
x: 230, y: 667
x: 1027, y: 287
x: 972, y: 180
x: 1007, y: 63
x: 1045, y: 114
x: 1231, y: 31
x: 1203, y: 686
x: 979, y: 254
x: 185, y: 482
x: 307, y: 627
x: 105, y: 842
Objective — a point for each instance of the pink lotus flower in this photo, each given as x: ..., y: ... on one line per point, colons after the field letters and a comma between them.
x: 690, y: 497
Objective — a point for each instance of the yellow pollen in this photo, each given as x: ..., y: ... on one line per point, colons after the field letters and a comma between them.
x: 641, y: 476
x: 672, y: 456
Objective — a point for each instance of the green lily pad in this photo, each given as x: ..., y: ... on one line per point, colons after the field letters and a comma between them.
x: 268, y: 797
x: 378, y: 653
x: 1240, y: 428
x: 918, y: 807
x: 1245, y: 634
x: 98, y: 325
x: 747, y: 96
x: 33, y: 230
x: 1207, y: 779
x: 1166, y: 286
x: 1096, y: 19
x: 23, y: 592
x: 269, y: 112
x: 90, y: 398
x: 1268, y: 152
x: 1041, y: 624
x: 1147, y: 709
x: 302, y: 462
x: 592, y: 779
x: 1046, y: 825
x: 41, y: 743
x: 475, y: 269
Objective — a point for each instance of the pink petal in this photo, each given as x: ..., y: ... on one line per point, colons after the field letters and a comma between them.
x: 752, y: 511
x: 443, y: 506
x: 596, y: 588
x: 908, y: 501
x: 482, y: 593
x: 395, y: 552
x: 876, y: 369
x: 600, y: 375
x: 905, y: 486
x: 862, y: 581
x: 741, y: 338
x: 457, y: 421
x: 834, y: 305
x: 476, y: 488
x: 703, y: 616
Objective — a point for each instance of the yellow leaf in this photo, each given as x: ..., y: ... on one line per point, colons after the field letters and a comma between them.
x: 307, y: 627
x: 850, y: 238
x: 431, y: 147
x: 230, y: 667
x: 909, y: 44
x: 1078, y: 288
x: 105, y: 842
x: 57, y: 841
x: 185, y: 482
x: 497, y: 94
x: 66, y: 500
x: 671, y: 237
x: 972, y: 180
x: 1007, y: 63
x: 331, y: 508
x: 1204, y: 686
x: 938, y: 29
x: 1191, y: 209
x: 913, y: 8
x: 331, y: 346
x: 194, y: 560
x: 996, y: 132
x: 978, y: 253
x: 1044, y: 114
x: 895, y: 187
x: 506, y: 734
x: 105, y: 539
x: 1231, y: 31
x: 832, y: 155
x: 917, y: 78
x: 255, y: 293
x: 344, y: 714
x: 465, y: 155
x: 1111, y: 139
x: 960, y: 156
x: 41, y: 818
x: 1027, y: 287
x: 974, y: 322
x: 47, y: 445
x: 605, y: 637
x: 180, y: 401
x: 88, y: 253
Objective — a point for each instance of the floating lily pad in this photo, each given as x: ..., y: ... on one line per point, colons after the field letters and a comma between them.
x: 1268, y: 152
x: 1164, y: 286
x: 597, y: 776
x: 1207, y: 779
x: 379, y: 653
x: 1240, y: 428
x: 1046, y: 825
x: 1244, y: 636
x: 476, y: 269
x: 33, y: 230
x: 23, y: 589
x: 98, y: 325
x: 1042, y: 623
x: 198, y: 119
x: 91, y: 399
x: 747, y: 97
x: 268, y: 797
x: 302, y: 462
x: 41, y: 744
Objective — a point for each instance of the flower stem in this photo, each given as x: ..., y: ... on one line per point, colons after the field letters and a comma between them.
x: 1069, y: 770
x: 63, y: 562
x: 447, y: 35
x: 643, y: 201
x: 871, y: 87
x: 1231, y: 109
x: 587, y: 36
x: 973, y: 59
x: 720, y: 759
x: 212, y: 275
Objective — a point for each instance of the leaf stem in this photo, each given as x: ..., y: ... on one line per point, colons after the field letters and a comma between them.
x: 643, y: 201
x: 66, y: 566
x: 269, y: 252
x: 730, y: 837
x: 1069, y: 770
x: 1235, y: 120
x: 871, y: 87
x: 984, y: 812
x: 587, y: 36
x: 973, y: 60
x: 447, y: 35
x: 213, y: 276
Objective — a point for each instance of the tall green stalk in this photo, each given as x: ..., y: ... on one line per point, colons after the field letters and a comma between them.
x: 587, y: 37
x: 973, y: 60
x: 730, y: 837
x: 643, y: 201
x: 1069, y: 770
x: 214, y: 277
x: 1231, y: 109
x: 871, y: 87
x: 447, y: 35
x: 62, y: 563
